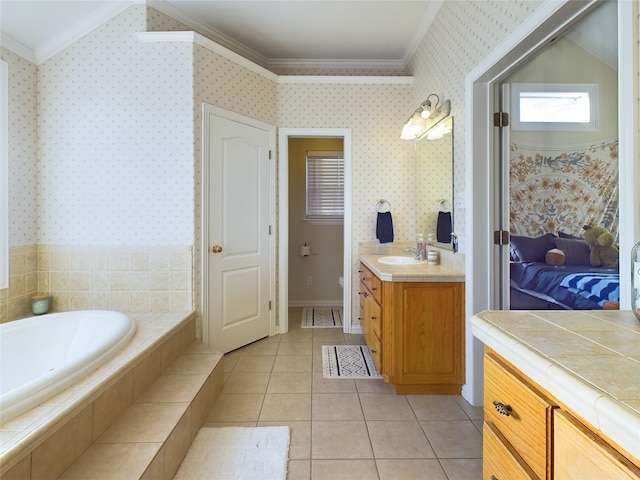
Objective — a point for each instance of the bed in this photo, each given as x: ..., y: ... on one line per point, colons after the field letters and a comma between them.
x: 554, y: 191
x: 574, y: 285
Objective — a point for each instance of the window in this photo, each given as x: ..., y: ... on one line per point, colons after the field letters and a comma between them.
x: 554, y: 106
x: 325, y: 186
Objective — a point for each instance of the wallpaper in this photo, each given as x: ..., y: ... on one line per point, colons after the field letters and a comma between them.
x: 116, y: 143
x: 460, y: 37
x: 23, y: 153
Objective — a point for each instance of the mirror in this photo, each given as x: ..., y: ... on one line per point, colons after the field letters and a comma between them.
x: 434, y: 181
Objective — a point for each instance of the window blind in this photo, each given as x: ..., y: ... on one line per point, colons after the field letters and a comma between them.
x: 325, y: 184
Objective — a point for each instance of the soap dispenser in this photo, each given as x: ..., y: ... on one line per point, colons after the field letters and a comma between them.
x: 421, y: 247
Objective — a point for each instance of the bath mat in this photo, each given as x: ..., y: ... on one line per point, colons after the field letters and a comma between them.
x: 348, y: 361
x: 237, y: 453
x: 322, y: 318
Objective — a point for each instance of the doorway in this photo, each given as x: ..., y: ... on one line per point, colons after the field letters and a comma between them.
x: 549, y: 21
x: 284, y: 229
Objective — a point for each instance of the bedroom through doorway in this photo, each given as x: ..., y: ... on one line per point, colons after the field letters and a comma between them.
x: 559, y: 170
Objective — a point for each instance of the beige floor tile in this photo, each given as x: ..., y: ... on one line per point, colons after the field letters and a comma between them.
x: 298, y: 336
x: 295, y: 348
x: 336, y: 406
x: 247, y: 382
x: 254, y: 363
x: 343, y: 469
x: 370, y: 385
x: 454, y: 439
x: 289, y: 382
x: 380, y: 406
x: 230, y: 360
x: 337, y: 439
x: 286, y: 407
x: 300, y: 442
x: 261, y: 347
x: 399, y: 439
x: 474, y: 413
x: 332, y: 385
x: 411, y: 469
x: 462, y: 468
x: 299, y: 470
x: 436, y: 407
x: 236, y: 407
x: 354, y: 339
x: 292, y: 363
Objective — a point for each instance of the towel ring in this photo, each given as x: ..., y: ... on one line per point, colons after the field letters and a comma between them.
x: 381, y: 204
x: 444, y: 206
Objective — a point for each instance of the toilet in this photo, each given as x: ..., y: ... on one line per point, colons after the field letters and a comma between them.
x: 341, y: 281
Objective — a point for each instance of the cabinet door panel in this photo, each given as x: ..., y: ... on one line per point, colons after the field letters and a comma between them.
x: 581, y: 455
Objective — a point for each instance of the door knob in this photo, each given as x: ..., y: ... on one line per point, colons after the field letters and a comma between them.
x: 216, y: 249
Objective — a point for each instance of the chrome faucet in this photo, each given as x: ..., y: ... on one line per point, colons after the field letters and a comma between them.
x: 416, y: 252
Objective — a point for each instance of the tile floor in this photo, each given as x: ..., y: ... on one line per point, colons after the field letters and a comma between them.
x: 344, y: 428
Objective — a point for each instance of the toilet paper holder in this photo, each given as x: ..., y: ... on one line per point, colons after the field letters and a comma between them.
x: 305, y: 250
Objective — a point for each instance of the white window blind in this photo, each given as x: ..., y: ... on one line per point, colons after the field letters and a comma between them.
x: 325, y: 184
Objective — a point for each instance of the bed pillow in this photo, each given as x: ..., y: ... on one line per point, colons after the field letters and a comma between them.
x: 527, y: 249
x: 561, y: 234
x: 576, y: 251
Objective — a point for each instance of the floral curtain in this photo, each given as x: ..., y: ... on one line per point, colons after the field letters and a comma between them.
x: 563, y: 188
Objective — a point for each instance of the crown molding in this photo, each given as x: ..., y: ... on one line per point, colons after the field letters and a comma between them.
x: 211, y: 33
x: 196, y: 38
x: 336, y: 64
x: 18, y: 48
x: 421, y: 31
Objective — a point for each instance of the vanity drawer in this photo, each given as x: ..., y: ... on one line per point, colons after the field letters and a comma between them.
x: 372, y: 282
x: 519, y: 413
x: 375, y: 316
x: 376, y: 351
x: 499, y: 462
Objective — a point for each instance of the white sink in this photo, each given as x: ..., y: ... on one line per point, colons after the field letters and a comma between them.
x: 400, y: 260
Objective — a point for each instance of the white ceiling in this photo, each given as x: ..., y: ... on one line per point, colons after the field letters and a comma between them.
x: 273, y: 33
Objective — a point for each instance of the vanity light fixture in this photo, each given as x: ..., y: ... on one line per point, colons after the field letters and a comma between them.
x: 425, y: 118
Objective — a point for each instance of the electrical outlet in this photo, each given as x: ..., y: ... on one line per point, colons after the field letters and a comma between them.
x: 309, y: 280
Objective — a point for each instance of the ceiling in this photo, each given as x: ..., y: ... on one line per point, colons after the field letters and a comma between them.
x: 373, y: 34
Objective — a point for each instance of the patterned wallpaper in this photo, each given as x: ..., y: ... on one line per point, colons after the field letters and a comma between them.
x: 460, y: 37
x: 116, y: 154
x: 23, y: 153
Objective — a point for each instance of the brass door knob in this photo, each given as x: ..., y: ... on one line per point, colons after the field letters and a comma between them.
x: 216, y: 249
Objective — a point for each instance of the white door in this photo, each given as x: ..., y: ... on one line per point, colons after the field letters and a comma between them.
x: 238, y: 306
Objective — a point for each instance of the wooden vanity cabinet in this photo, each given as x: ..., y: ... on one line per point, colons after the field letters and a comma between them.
x: 417, y: 332
x: 527, y: 434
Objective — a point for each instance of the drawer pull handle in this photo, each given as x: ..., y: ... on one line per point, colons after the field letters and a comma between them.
x: 374, y: 318
x: 502, y: 408
x: 493, y: 477
x: 365, y: 294
x: 374, y: 288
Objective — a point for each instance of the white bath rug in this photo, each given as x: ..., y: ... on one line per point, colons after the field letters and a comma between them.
x: 348, y: 361
x: 321, y: 317
x: 240, y: 453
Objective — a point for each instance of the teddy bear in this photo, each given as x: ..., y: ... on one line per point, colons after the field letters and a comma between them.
x: 603, y: 252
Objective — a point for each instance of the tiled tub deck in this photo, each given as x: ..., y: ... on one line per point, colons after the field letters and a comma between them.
x: 163, y: 376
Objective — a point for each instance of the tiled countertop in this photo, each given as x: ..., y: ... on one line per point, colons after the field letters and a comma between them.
x: 410, y: 273
x: 588, y: 360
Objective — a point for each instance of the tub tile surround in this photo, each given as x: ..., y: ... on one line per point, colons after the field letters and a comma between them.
x: 121, y: 278
x: 160, y: 369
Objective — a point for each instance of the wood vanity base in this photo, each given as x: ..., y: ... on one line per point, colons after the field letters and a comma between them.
x: 415, y: 331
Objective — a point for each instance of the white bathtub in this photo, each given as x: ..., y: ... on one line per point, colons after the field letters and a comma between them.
x: 41, y: 356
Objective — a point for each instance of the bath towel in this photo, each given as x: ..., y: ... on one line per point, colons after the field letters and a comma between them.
x: 384, y: 227
x: 444, y: 227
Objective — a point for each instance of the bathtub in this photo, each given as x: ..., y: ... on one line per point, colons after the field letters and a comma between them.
x: 41, y: 356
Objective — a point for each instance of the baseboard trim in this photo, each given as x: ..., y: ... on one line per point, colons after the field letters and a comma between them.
x: 315, y: 303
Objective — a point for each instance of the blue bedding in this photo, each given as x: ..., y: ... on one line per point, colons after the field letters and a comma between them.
x: 578, y: 287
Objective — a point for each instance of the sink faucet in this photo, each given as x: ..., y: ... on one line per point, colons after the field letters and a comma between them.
x: 416, y: 252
